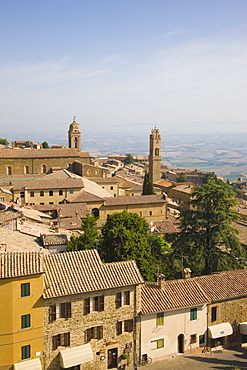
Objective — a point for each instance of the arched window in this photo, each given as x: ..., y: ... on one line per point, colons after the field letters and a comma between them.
x: 26, y: 169
x: 43, y: 168
x: 95, y: 212
x: 157, y: 152
x: 9, y: 170
x: 75, y: 142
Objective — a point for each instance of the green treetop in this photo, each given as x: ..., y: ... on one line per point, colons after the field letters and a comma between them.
x: 207, y: 240
x: 4, y: 141
x: 182, y: 178
x: 129, y: 159
x: 148, y: 187
x: 125, y: 237
x: 89, y: 239
x: 45, y: 145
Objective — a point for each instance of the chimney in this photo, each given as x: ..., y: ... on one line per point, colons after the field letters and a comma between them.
x: 161, y: 281
x: 186, y: 273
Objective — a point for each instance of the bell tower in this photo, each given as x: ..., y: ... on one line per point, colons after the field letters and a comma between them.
x: 154, y: 155
x: 74, y: 136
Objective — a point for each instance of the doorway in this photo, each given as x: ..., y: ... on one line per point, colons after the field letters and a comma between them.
x: 112, y: 358
x: 181, y: 343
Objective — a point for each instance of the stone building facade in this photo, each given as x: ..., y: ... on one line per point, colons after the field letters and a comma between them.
x: 92, y: 310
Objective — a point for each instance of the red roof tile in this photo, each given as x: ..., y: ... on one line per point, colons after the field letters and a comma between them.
x: 82, y: 271
x: 175, y: 294
x: 14, y: 264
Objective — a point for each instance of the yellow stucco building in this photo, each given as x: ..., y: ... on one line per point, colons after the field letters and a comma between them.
x: 22, y: 311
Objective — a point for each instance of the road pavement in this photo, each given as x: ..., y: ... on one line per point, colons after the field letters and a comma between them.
x: 221, y: 359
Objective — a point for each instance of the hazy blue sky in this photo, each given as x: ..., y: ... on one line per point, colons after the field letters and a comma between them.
x: 176, y: 64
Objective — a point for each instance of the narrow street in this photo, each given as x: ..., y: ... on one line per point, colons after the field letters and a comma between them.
x: 221, y: 359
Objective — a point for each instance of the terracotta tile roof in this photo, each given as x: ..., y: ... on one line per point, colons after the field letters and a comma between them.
x: 188, y: 189
x: 71, y: 223
x: 165, y: 227
x: 14, y: 264
x: 65, y: 209
x: 82, y: 271
x: 242, y: 228
x: 84, y: 197
x: 101, y: 180
x: 224, y: 285
x: 41, y: 153
x: 142, y: 199
x: 48, y: 184
x: 175, y: 294
x: 54, y: 239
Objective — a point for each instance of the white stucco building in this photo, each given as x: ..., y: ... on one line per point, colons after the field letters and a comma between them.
x: 173, y: 318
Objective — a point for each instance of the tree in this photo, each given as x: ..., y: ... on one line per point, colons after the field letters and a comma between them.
x: 182, y: 178
x: 148, y: 187
x: 45, y: 145
x: 4, y: 141
x: 125, y: 237
x: 129, y: 159
x: 89, y: 238
x: 208, y: 241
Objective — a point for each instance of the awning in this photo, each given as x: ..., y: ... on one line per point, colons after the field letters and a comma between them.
x: 29, y: 365
x: 75, y: 356
x: 243, y: 328
x: 220, y: 330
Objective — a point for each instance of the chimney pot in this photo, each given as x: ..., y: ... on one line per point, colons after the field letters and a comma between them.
x: 161, y: 281
x: 186, y: 273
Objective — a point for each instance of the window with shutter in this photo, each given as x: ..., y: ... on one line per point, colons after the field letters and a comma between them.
x: 101, y: 303
x: 128, y: 325
x: 52, y: 312
x: 61, y: 309
x: 68, y: 310
x: 54, y: 342
x: 127, y: 297
x: 66, y: 339
x: 86, y: 306
x: 118, y: 299
x: 100, y: 332
x: 119, y: 327
x: 160, y: 319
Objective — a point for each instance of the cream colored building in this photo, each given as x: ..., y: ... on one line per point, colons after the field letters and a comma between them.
x: 173, y: 319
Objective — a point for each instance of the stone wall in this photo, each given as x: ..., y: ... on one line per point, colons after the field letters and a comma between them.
x: 79, y: 322
x: 233, y: 311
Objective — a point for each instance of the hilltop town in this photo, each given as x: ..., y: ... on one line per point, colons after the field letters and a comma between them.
x: 77, y: 310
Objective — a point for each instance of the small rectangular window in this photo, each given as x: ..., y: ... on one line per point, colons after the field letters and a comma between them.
x: 214, y: 313
x: 31, y: 194
x: 150, y: 213
x: 119, y: 327
x: 25, y: 352
x: 51, y: 193
x: 25, y: 290
x: 25, y: 321
x: 193, y: 314
x: 193, y: 338
x: 159, y: 343
x: 60, y: 192
x: 128, y: 325
x: 202, y: 339
x: 41, y: 193
x: 111, y: 187
x: 22, y: 194
x: 160, y: 319
x: 71, y: 191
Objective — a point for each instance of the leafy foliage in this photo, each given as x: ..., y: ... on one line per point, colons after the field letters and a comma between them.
x: 208, y: 241
x: 182, y: 178
x: 125, y: 237
x: 4, y: 141
x: 45, y: 145
x: 129, y: 159
x: 89, y: 239
x: 148, y: 187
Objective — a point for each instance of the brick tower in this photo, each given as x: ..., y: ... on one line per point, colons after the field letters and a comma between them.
x: 74, y: 136
x: 154, y: 155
